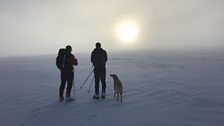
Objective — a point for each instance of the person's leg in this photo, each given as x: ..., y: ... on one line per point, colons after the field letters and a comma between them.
x: 97, y: 81
x: 70, y: 77
x: 62, y: 86
x: 103, y: 81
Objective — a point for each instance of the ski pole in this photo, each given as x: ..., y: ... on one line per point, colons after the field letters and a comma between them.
x: 86, y: 79
x: 91, y: 84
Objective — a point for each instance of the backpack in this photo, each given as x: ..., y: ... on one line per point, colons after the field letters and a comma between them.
x: 60, y: 60
x: 99, y: 58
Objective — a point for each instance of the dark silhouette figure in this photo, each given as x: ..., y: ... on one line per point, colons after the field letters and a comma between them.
x: 99, y: 59
x: 65, y: 61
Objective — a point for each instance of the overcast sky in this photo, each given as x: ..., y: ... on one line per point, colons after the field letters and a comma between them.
x: 33, y: 27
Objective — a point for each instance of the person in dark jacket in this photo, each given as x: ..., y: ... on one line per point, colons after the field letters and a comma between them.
x: 67, y: 74
x: 99, y: 59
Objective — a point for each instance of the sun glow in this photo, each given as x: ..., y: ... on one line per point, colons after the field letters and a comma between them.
x: 127, y: 31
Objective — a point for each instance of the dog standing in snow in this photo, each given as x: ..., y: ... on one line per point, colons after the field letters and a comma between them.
x: 118, y: 88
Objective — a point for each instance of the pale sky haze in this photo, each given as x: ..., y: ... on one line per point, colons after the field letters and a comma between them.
x: 37, y: 27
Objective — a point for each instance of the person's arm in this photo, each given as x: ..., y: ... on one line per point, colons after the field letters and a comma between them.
x: 73, y: 60
x: 106, y: 56
x: 92, y: 57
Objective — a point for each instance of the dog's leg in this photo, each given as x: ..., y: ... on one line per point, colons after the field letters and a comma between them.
x: 114, y: 93
x: 121, y: 96
x: 117, y: 96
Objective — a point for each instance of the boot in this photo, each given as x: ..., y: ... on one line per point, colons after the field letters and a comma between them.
x: 96, y: 96
x: 61, y: 99
x: 103, y: 95
x: 69, y: 99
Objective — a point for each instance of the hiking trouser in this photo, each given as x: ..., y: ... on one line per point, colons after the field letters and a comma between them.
x: 100, y: 75
x: 66, y: 77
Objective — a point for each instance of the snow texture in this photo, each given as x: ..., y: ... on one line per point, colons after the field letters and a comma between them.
x: 160, y: 89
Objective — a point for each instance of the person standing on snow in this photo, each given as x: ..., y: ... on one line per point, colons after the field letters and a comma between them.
x: 65, y: 61
x: 99, y: 59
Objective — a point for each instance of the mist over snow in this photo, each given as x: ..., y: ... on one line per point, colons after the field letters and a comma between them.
x: 38, y: 27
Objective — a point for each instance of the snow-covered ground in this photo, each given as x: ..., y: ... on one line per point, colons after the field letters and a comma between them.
x: 167, y: 89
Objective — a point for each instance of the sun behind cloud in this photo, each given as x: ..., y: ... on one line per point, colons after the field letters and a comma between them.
x: 127, y: 31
